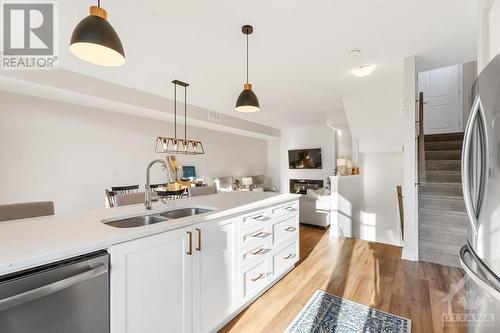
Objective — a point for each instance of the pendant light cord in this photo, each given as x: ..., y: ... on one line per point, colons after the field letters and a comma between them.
x: 98, y: 3
x: 185, y: 114
x: 175, y: 111
x: 247, y: 58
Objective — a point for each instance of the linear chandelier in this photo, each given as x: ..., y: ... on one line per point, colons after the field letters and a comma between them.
x: 177, y: 145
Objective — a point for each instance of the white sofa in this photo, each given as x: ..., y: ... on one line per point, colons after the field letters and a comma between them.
x: 227, y: 184
x: 315, y: 208
x: 340, y: 210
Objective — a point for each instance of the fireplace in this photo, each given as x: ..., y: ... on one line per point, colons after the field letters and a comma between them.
x: 300, y: 186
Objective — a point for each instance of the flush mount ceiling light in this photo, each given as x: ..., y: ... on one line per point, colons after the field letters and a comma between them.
x: 176, y: 145
x: 363, y: 70
x: 247, y: 100
x: 94, y: 40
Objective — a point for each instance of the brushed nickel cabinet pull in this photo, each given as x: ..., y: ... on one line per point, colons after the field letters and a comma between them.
x: 257, y: 217
x: 288, y: 256
x: 260, y: 276
x: 198, y: 248
x: 291, y: 229
x: 190, y: 243
x: 290, y: 208
x: 258, y: 234
x: 259, y: 251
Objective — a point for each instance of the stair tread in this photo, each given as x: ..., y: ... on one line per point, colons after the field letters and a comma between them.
x: 443, y: 161
x: 440, y: 231
x: 440, y: 247
x: 444, y: 137
x: 445, y: 150
x: 450, y: 141
x: 441, y: 197
x: 439, y: 258
x: 444, y: 134
x: 443, y: 155
x: 440, y: 185
x: 458, y: 227
x: 452, y: 165
x: 443, y: 145
x: 440, y: 212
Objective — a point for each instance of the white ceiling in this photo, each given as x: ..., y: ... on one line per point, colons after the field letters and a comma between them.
x: 299, y: 63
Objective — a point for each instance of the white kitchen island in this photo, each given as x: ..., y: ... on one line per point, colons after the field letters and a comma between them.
x: 191, y: 274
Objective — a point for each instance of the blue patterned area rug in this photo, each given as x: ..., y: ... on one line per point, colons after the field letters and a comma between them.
x: 328, y: 313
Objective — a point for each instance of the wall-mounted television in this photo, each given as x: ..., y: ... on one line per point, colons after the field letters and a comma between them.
x: 305, y: 159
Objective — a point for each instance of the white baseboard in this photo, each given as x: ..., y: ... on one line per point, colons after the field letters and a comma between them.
x: 409, y: 255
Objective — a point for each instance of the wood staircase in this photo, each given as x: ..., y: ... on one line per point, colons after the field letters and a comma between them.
x: 442, y: 218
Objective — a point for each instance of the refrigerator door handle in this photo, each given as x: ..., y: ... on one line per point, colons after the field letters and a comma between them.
x: 487, y: 286
x: 466, y: 149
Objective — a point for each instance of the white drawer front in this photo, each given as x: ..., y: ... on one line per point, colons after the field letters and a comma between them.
x: 292, y: 207
x: 254, y: 219
x: 285, y: 258
x: 253, y: 278
x: 285, y: 228
x: 253, y: 235
x: 257, y: 251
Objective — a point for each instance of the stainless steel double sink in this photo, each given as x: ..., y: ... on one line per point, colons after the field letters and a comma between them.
x: 138, y: 221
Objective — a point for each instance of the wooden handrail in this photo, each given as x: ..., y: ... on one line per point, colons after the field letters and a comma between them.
x: 421, y: 140
x: 399, y: 191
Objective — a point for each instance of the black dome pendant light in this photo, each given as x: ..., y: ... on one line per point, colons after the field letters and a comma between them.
x: 94, y: 40
x: 247, y: 101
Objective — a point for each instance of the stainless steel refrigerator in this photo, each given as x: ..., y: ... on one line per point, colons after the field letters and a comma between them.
x: 480, y: 257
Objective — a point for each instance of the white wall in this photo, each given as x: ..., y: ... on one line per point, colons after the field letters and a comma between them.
x: 489, y: 31
x: 344, y: 139
x: 307, y: 137
x: 410, y: 244
x: 273, y: 163
x: 379, y: 218
x: 69, y: 154
x: 375, y: 118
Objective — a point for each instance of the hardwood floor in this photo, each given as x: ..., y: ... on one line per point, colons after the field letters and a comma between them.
x: 369, y: 273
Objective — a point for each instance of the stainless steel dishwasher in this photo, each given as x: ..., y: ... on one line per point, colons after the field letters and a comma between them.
x: 67, y: 296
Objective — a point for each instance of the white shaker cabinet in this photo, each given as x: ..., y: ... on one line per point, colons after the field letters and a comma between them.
x: 151, y: 284
x: 214, y: 273
x: 195, y: 279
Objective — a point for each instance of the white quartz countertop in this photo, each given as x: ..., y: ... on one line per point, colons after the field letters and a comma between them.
x: 32, y: 242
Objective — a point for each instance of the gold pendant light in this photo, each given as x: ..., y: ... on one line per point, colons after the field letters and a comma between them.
x: 177, y: 145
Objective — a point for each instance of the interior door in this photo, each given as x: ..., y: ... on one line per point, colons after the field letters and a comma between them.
x: 214, y: 273
x: 443, y: 104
